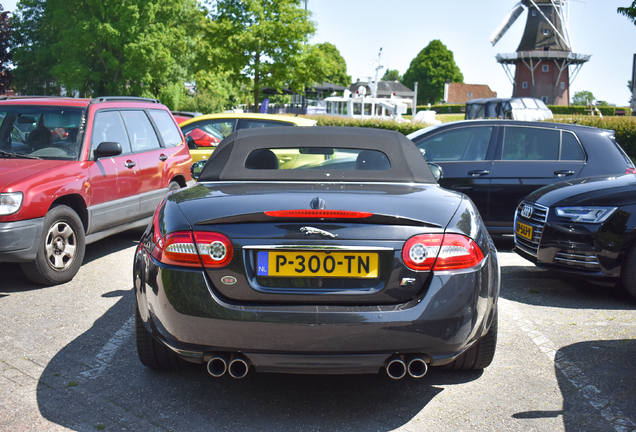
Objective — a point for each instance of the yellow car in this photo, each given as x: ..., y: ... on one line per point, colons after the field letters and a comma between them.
x: 208, y: 130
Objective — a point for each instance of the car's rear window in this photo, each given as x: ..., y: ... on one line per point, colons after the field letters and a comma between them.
x: 325, y: 158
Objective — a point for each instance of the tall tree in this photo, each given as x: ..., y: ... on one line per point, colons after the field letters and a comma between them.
x: 103, y: 47
x: 335, y: 65
x: 629, y: 11
x: 431, y: 68
x: 261, y: 42
x: 580, y: 98
x: 392, y: 75
x: 5, y: 55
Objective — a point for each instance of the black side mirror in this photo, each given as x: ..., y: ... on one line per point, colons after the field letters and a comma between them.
x: 191, y: 144
x: 107, y: 149
x: 437, y: 171
x: 196, y: 168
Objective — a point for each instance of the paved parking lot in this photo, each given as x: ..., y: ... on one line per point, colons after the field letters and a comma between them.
x: 566, y: 361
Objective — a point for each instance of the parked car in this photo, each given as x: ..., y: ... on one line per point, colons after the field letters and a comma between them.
x: 316, y: 270
x: 585, y: 227
x: 208, y: 130
x: 181, y: 116
x: 497, y: 163
x: 79, y: 171
x: 516, y: 108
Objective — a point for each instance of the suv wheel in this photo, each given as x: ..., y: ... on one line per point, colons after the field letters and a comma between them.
x: 61, y: 250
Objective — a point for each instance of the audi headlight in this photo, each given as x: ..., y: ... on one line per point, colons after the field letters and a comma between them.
x: 10, y: 203
x: 591, y: 214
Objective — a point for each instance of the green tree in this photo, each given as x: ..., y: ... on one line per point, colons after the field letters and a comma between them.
x: 262, y: 43
x: 335, y: 66
x: 431, y: 68
x: 392, y: 75
x: 581, y: 97
x: 5, y: 55
x: 629, y: 11
x: 101, y: 47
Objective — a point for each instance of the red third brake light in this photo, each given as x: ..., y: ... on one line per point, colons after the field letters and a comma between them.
x: 213, y: 250
x: 310, y: 213
x: 441, y: 252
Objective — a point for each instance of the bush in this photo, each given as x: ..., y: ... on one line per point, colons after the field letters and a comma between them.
x: 583, y: 110
x: 405, y: 127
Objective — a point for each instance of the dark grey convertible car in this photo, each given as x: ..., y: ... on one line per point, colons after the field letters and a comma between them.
x: 332, y: 269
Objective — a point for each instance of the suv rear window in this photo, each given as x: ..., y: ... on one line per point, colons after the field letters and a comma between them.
x: 41, y: 131
x: 168, y: 130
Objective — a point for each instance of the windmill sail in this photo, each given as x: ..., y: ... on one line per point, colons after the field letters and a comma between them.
x: 506, y: 23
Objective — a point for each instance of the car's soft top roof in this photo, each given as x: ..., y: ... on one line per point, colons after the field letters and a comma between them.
x: 228, y: 160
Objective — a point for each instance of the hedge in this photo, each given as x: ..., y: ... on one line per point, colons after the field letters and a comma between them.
x: 583, y: 110
x: 405, y: 127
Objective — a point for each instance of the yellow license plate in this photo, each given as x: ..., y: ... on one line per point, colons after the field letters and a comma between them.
x: 524, y: 230
x: 318, y: 264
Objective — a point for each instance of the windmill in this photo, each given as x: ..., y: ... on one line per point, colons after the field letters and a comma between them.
x: 544, y: 57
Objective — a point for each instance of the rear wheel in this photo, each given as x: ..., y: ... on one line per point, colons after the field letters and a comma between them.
x: 61, y: 250
x: 481, y: 354
x: 151, y: 352
x: 628, y: 273
x: 173, y: 186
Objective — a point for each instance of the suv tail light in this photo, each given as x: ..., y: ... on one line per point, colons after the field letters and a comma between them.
x: 630, y: 170
x: 441, y: 252
x: 207, y: 249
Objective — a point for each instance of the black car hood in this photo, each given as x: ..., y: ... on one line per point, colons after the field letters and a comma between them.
x: 600, y: 190
x: 211, y: 202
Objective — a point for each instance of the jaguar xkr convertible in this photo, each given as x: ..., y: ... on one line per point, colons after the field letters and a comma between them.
x: 355, y: 262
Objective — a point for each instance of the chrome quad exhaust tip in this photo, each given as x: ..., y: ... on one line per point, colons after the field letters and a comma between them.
x: 238, y: 367
x: 416, y: 366
x: 396, y: 368
x: 217, y: 366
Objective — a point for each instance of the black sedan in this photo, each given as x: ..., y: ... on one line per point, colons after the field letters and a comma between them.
x: 585, y: 227
x: 497, y: 163
x: 316, y: 270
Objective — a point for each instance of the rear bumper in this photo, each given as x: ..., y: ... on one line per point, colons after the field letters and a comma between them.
x: 19, y: 240
x: 183, y: 310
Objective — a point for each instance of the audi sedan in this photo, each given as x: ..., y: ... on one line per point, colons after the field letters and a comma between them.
x: 583, y: 227
x: 341, y: 269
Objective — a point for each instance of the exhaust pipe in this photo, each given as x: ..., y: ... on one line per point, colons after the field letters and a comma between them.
x: 217, y: 366
x: 238, y: 367
x: 396, y: 368
x: 416, y: 367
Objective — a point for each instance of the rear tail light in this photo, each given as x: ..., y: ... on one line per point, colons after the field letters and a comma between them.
x: 630, y: 170
x: 441, y: 252
x: 208, y: 249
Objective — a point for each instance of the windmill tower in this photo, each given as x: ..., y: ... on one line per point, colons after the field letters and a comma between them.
x: 544, y: 65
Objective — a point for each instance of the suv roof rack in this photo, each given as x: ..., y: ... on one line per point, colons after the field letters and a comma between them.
x: 33, y: 97
x: 123, y: 99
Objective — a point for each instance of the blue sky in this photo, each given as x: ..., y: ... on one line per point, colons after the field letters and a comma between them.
x: 402, y: 28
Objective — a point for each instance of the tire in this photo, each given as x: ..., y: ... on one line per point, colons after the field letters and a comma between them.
x: 628, y: 273
x: 61, y: 250
x: 151, y: 352
x: 173, y: 186
x: 481, y: 354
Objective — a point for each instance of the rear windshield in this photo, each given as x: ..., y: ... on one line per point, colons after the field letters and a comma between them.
x: 41, y: 131
x: 325, y: 158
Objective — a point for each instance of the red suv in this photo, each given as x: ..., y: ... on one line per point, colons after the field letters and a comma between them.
x: 73, y: 171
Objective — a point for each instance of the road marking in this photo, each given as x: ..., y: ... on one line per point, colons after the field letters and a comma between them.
x: 105, y: 356
x: 569, y: 369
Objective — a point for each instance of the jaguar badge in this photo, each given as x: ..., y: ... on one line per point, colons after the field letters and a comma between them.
x: 312, y: 230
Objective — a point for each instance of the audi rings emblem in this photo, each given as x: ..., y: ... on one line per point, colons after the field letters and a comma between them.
x: 526, y: 211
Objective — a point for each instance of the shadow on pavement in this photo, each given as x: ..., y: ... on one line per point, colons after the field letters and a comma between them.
x: 597, y: 383
x: 13, y: 280
x: 97, y: 381
x: 534, y: 286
